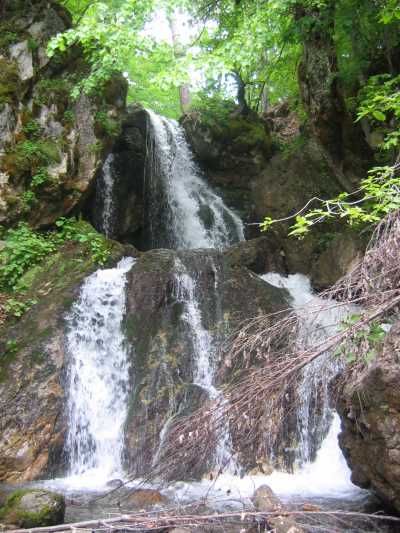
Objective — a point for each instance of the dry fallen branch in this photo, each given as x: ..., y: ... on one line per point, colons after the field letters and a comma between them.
x: 270, y: 354
x: 161, y: 521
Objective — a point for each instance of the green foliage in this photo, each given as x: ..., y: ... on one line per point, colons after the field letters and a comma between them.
x: 28, y: 200
x: 32, y: 129
x: 16, y: 308
x: 109, y: 32
x: 70, y: 229
x: 34, y: 153
x: 108, y: 125
x: 363, y: 344
x: 25, y: 248
x: 42, y: 177
x: 52, y: 90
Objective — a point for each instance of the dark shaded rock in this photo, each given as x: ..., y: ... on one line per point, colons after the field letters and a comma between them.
x: 163, y: 345
x: 29, y: 508
x: 32, y: 366
x: 369, y: 407
x: 260, y: 255
x: 341, y: 252
x: 128, y: 167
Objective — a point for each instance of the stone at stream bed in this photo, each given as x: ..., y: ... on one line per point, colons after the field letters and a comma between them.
x: 30, y: 508
x: 144, y: 499
x: 265, y: 500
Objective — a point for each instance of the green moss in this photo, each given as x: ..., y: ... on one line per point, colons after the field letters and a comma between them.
x: 48, y: 515
x: 31, y: 154
x: 52, y: 91
x: 9, y: 354
x: 9, y: 81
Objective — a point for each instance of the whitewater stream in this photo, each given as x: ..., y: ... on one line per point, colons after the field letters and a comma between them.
x: 190, y: 215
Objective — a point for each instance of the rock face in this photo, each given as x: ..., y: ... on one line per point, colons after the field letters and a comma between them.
x: 32, y: 368
x: 33, y: 508
x: 51, y: 146
x: 128, y: 171
x: 278, y: 182
x: 165, y: 327
x: 370, y: 412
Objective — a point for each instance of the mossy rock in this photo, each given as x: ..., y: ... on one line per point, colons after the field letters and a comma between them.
x: 29, y: 508
x: 9, y: 81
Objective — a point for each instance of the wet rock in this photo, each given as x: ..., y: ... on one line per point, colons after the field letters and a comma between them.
x: 259, y: 255
x: 115, y: 483
x: 340, y: 255
x: 145, y: 498
x: 266, y: 501
x: 369, y: 407
x: 163, y: 351
x: 29, y: 508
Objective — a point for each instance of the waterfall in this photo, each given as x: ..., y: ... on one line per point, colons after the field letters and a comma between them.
x: 204, y: 348
x: 183, y: 211
x: 98, y: 374
x: 314, y: 414
x: 105, y: 212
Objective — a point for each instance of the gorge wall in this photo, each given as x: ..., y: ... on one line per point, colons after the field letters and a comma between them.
x: 53, y: 156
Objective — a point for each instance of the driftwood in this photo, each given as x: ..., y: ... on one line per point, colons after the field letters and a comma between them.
x: 160, y: 522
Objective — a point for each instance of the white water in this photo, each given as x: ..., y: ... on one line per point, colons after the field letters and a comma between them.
x: 189, y: 199
x: 319, y: 319
x: 203, y: 350
x: 327, y: 477
x: 98, y: 377
x: 105, y: 187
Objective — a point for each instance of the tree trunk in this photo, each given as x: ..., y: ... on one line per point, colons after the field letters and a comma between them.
x: 184, y: 91
x: 241, y: 94
x: 318, y: 75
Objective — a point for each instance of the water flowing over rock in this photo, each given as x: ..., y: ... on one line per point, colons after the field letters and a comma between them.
x: 98, y: 374
x: 183, y: 212
x: 180, y: 307
x: 33, y: 397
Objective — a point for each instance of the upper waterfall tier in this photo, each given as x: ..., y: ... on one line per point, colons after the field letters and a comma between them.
x: 183, y: 211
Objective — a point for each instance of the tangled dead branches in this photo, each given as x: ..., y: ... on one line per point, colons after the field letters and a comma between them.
x: 255, y: 407
x: 249, y: 521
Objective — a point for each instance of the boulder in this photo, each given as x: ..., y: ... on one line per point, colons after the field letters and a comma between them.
x: 369, y: 407
x: 266, y: 501
x: 144, y: 498
x: 30, y: 508
x: 162, y: 331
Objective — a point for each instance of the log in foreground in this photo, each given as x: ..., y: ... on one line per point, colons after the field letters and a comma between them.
x: 157, y: 522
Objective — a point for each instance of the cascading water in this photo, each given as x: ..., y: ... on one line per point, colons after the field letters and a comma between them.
x: 317, y: 322
x: 322, y: 471
x: 183, y: 212
x: 98, y: 375
x: 204, y: 348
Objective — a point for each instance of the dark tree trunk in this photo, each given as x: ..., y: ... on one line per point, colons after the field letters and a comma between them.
x: 241, y: 94
x: 318, y: 76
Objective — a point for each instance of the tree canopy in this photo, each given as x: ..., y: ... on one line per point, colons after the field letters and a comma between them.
x: 327, y: 58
